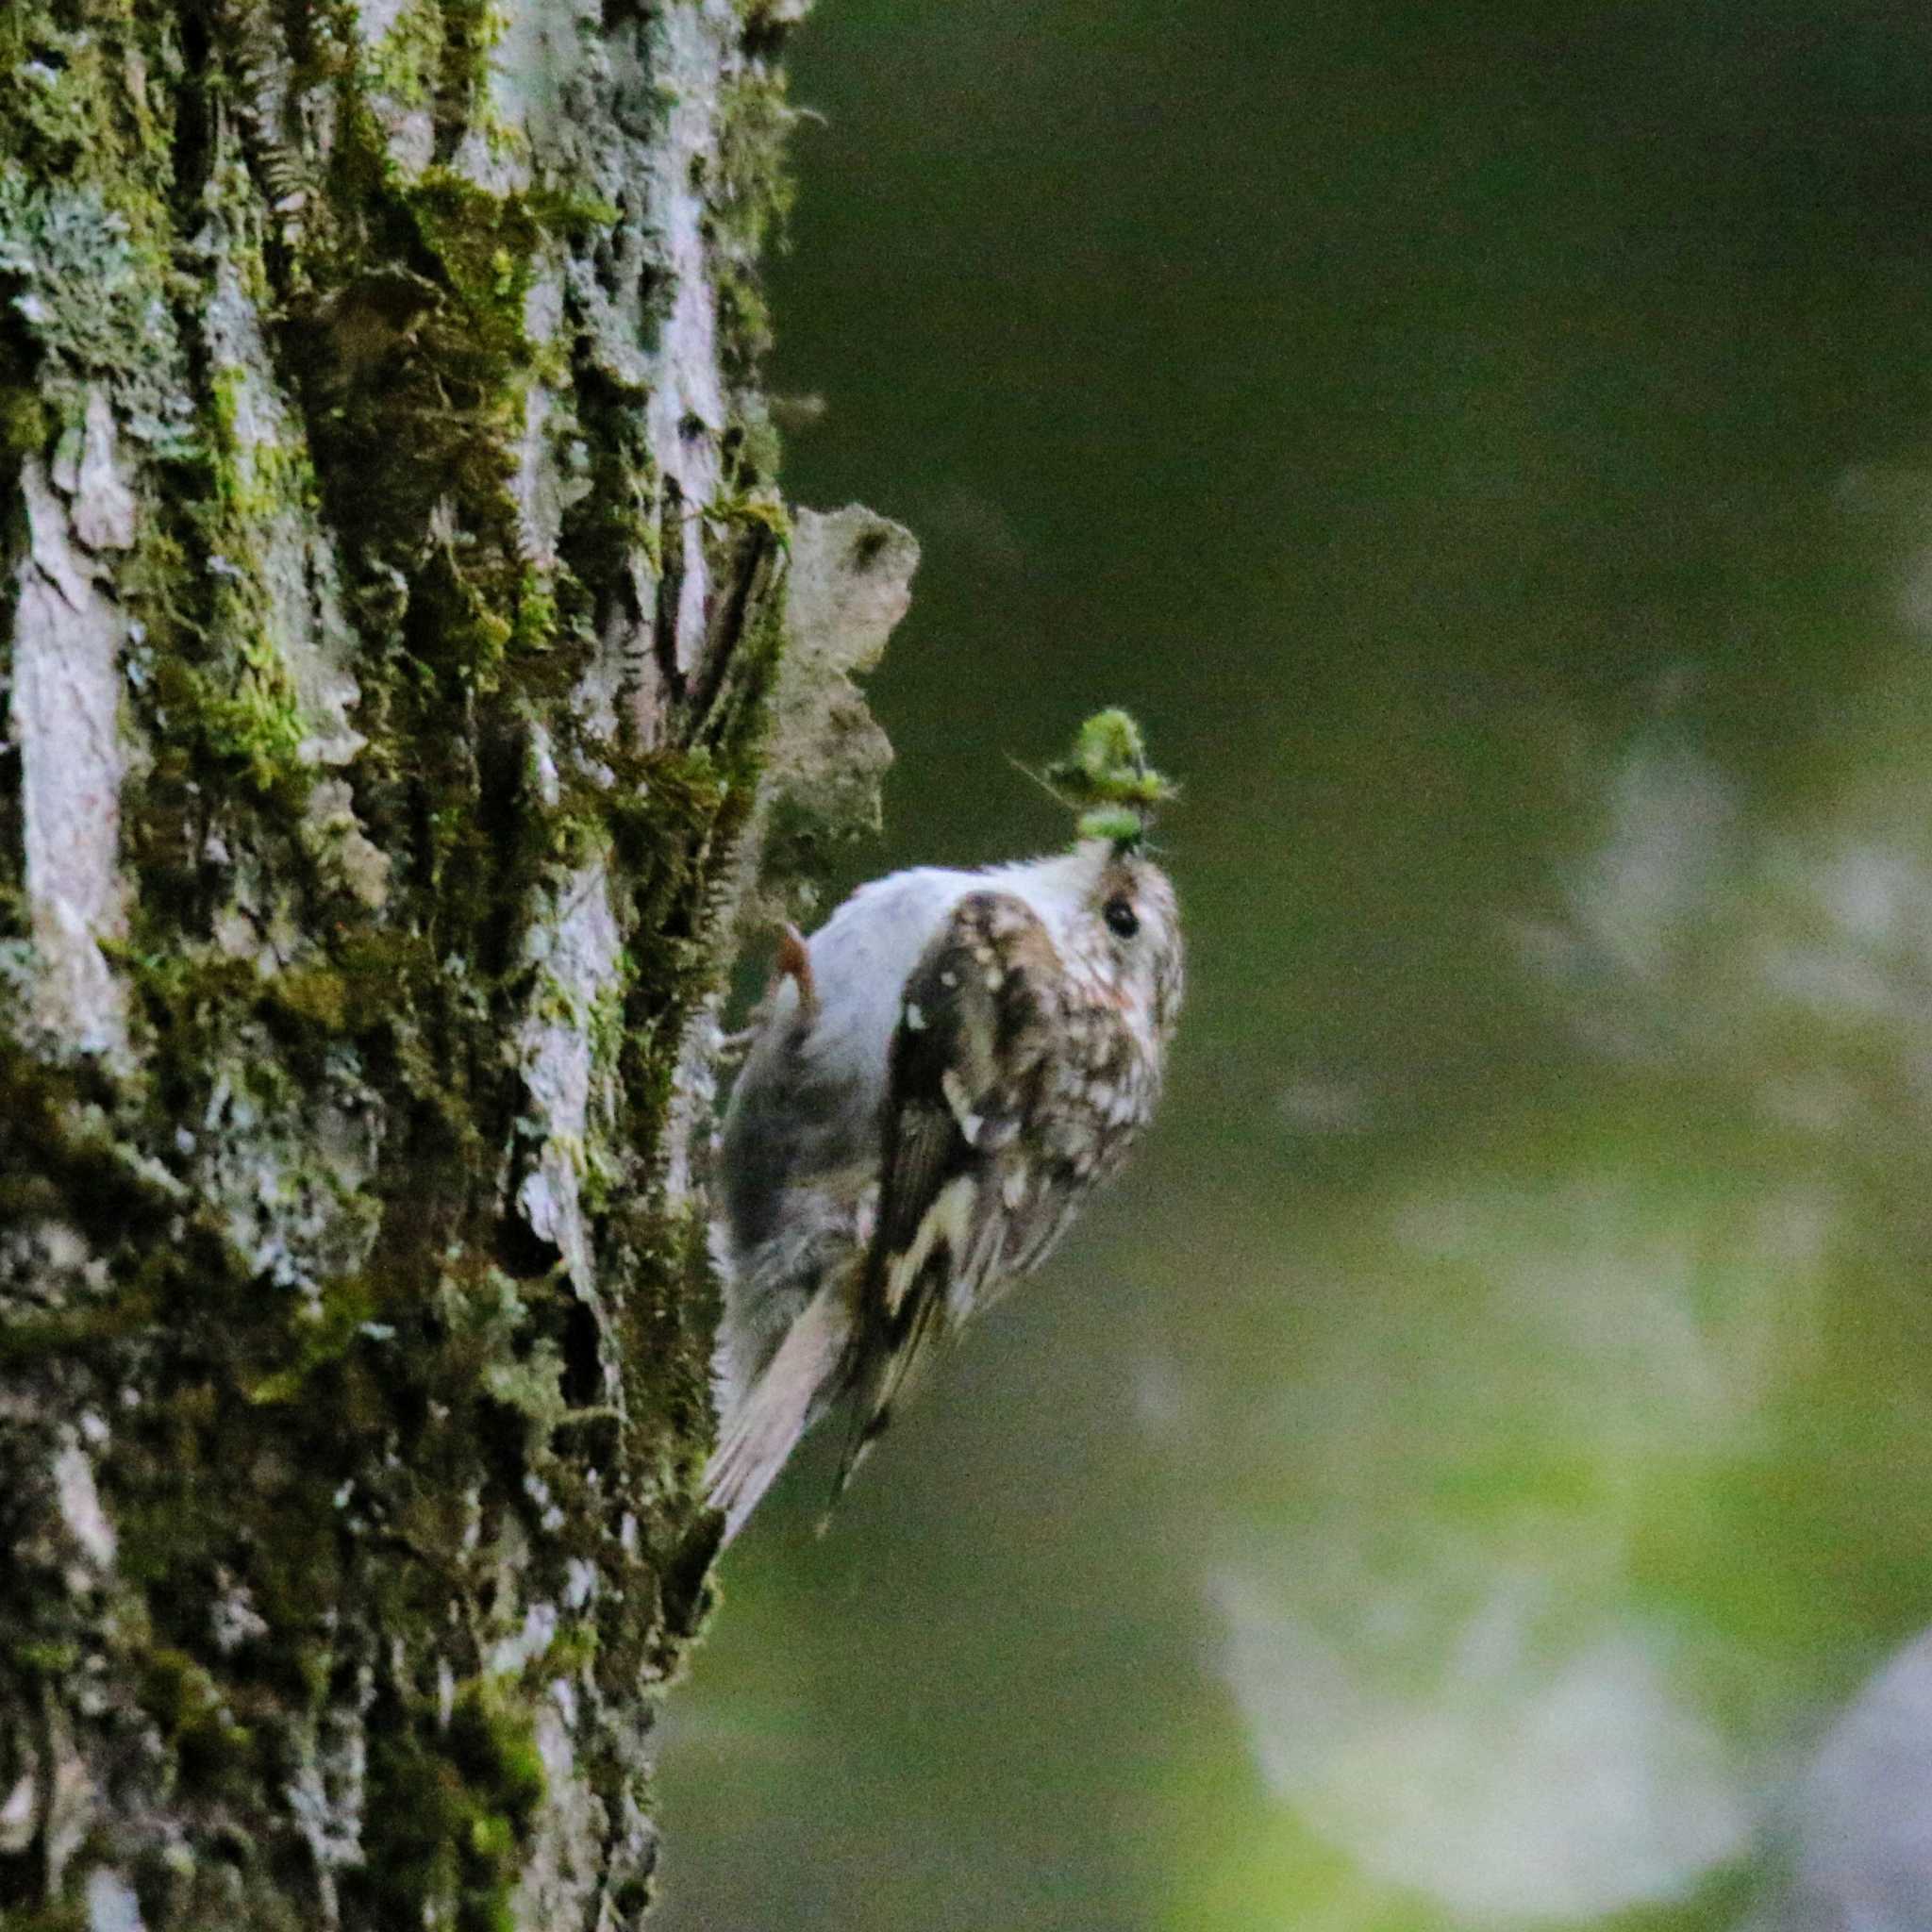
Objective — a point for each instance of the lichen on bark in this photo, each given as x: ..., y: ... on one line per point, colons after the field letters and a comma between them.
x: 394, y: 597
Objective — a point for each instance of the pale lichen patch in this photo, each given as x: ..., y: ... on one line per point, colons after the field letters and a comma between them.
x: 576, y: 954
x: 84, y: 286
x: 103, y: 505
x: 65, y: 718
x: 335, y: 835
x: 111, y: 1902
x: 19, y: 1816
x: 71, y: 1801
x: 532, y: 71
x: 688, y: 411
x: 289, y: 1175
x: 79, y: 1499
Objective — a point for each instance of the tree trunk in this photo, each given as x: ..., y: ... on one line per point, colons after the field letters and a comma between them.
x: 392, y: 615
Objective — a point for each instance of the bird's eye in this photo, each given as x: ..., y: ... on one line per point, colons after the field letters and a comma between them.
x: 1121, y: 918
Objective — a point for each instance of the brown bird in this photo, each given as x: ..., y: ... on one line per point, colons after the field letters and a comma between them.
x: 944, y: 1072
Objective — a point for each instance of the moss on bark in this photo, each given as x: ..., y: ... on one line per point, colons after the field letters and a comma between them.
x: 355, y: 1314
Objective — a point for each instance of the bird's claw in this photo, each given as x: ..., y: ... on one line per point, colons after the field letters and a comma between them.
x: 734, y: 1046
x: 794, y: 964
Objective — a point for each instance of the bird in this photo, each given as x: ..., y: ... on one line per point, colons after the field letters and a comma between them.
x: 942, y: 1076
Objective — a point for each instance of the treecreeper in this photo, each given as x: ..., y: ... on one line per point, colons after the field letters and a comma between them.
x: 939, y: 1077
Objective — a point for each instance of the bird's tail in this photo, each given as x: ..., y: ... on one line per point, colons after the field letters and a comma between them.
x: 879, y: 1394
x: 782, y: 1403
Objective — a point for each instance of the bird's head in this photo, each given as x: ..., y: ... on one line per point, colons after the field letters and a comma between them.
x: 1107, y: 905
x: 1111, y: 913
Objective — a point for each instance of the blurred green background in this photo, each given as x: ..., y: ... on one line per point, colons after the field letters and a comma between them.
x: 1459, y: 1473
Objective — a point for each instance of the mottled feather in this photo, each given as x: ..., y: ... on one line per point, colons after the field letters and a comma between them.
x: 947, y: 1069
x: 975, y: 1030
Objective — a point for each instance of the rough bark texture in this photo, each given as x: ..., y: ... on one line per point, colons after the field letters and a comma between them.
x: 391, y: 610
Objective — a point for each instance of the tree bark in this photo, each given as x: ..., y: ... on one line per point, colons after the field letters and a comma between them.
x: 392, y: 615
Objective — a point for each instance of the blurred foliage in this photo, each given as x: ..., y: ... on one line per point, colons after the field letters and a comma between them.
x: 1457, y: 1477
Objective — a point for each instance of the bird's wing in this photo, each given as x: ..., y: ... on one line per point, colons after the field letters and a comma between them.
x: 975, y: 1029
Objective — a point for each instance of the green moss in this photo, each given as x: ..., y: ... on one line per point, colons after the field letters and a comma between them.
x: 72, y: 1332
x: 535, y: 627
x: 193, y: 1715
x: 402, y: 66
x: 46, y: 1658
x: 315, y: 995
x: 259, y: 726
x: 485, y: 245
x: 242, y: 700
x: 492, y: 1741
x: 471, y: 31
x: 449, y: 1813
x: 573, y: 1652
x: 755, y: 190
x: 193, y: 997
x: 71, y: 1916
x: 748, y: 203
x: 346, y: 1316
x: 431, y: 367
x: 25, y: 427
x: 533, y: 1386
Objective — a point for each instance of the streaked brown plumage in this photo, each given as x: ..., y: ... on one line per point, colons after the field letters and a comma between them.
x: 956, y: 1063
